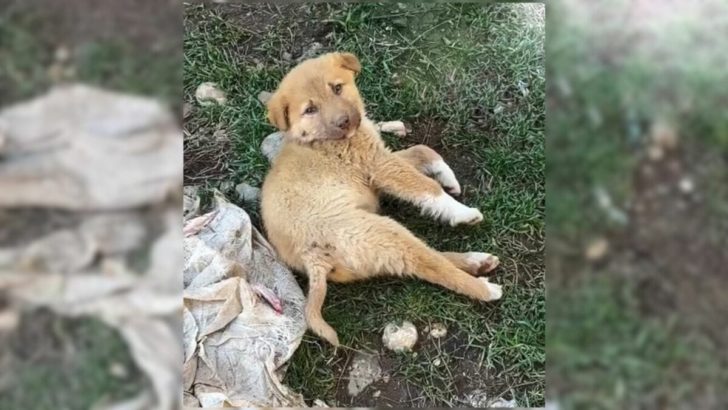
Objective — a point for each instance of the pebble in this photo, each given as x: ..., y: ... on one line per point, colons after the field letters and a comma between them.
x: 247, y: 193
x: 687, y: 185
x: 400, y: 337
x: 596, y: 250
x: 271, y: 145
x: 118, y: 370
x: 365, y: 370
x: 209, y: 94
x: 264, y: 96
x: 438, y: 331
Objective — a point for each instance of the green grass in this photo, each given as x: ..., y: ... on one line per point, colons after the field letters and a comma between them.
x: 450, y: 66
x: 66, y: 364
x: 622, y: 359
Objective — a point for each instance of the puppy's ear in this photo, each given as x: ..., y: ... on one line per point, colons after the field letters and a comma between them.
x: 278, y: 111
x: 349, y: 61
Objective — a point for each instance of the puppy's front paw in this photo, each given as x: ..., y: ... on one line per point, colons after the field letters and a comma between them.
x: 494, y: 291
x: 468, y: 216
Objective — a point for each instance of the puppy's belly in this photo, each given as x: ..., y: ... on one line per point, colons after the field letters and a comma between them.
x: 310, y: 219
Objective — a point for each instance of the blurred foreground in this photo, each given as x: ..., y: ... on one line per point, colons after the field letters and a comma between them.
x: 637, y: 188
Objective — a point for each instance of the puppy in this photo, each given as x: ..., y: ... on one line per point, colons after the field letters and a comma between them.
x: 320, y: 198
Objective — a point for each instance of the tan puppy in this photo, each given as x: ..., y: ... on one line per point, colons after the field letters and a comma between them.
x: 320, y: 198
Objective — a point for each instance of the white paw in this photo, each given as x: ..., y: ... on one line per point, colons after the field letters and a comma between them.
x: 443, y: 174
x: 495, y: 291
x: 465, y: 215
x: 446, y: 208
x: 482, y: 262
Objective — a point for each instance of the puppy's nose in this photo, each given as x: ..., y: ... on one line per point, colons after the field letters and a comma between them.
x: 342, y: 122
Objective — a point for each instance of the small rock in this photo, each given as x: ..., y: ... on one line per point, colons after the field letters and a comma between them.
x: 311, y: 51
x: 264, y: 97
x: 118, y: 370
x: 376, y: 394
x: 209, y: 94
x: 365, y: 370
x: 400, y: 337
x: 271, y: 145
x: 687, y: 185
x: 247, y: 193
x: 663, y: 135
x: 385, y: 378
x: 596, y: 250
x: 438, y: 331
x: 437, y: 362
x: 286, y: 56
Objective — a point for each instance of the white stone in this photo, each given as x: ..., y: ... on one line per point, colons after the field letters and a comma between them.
x: 687, y: 185
x: 264, y: 96
x: 271, y: 145
x: 209, y: 94
x: 438, y: 331
x: 247, y: 193
x: 364, y: 371
x: 400, y: 337
x: 596, y: 250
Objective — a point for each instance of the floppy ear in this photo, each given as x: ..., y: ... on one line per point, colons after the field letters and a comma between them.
x: 349, y: 61
x: 278, y: 111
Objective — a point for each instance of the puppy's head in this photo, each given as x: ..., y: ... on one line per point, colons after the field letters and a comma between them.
x: 318, y: 99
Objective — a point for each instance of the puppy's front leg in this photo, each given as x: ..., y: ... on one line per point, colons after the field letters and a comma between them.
x: 395, y: 176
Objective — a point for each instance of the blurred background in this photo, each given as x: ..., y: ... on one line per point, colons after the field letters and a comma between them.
x: 637, y: 188
x: 76, y: 268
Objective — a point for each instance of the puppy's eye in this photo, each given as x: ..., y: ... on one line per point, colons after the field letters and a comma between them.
x: 337, y: 89
x: 311, y: 110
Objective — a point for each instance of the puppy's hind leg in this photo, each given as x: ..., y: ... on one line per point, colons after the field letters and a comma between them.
x: 317, y: 270
x: 387, y: 248
x: 475, y: 263
x: 430, y: 163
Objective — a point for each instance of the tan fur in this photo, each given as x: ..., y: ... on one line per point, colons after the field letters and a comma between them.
x: 320, y: 198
